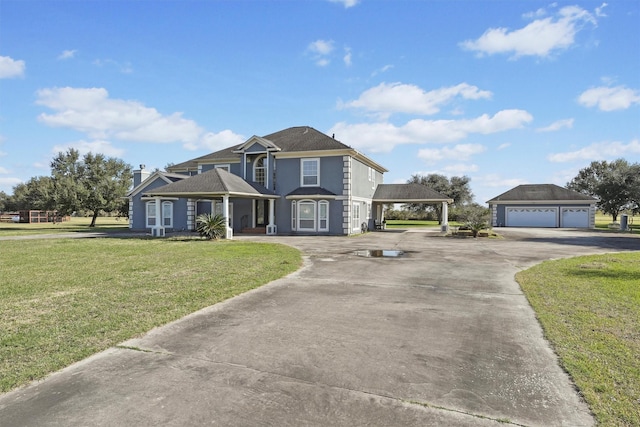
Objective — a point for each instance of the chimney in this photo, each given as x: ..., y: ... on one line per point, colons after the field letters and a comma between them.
x: 139, y: 175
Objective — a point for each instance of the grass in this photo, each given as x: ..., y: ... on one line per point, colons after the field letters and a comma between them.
x: 603, y: 221
x: 62, y: 300
x: 589, y: 308
x: 74, y: 225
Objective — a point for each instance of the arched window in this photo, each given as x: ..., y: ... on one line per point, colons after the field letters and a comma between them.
x: 260, y: 170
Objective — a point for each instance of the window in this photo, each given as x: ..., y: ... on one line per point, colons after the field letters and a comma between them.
x: 294, y: 209
x: 310, y: 172
x: 225, y: 167
x: 259, y: 170
x: 323, y: 215
x: 309, y: 215
x: 355, y: 216
x: 166, y: 214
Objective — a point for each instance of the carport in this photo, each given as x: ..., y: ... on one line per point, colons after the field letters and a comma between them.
x: 408, y: 193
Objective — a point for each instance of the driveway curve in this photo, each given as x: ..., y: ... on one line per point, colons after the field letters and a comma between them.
x: 441, y: 335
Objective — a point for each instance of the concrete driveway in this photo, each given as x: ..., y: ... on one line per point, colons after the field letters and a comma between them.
x: 439, y: 336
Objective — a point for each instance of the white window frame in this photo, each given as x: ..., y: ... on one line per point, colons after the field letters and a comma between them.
x: 166, y: 213
x: 217, y: 208
x: 263, y: 168
x: 294, y: 209
x: 315, y: 160
x: 320, y: 215
x: 355, y: 216
x: 226, y: 167
x: 323, y: 205
x: 301, y: 205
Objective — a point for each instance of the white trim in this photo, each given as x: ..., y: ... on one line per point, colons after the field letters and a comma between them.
x: 167, y: 213
x: 302, y: 175
x: 264, y: 167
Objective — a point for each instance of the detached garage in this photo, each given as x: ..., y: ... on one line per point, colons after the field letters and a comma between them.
x: 543, y: 205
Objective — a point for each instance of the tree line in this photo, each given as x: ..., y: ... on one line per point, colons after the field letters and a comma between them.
x: 91, y: 184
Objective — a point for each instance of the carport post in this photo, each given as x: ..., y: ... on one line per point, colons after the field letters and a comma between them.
x: 445, y: 217
x: 271, y: 227
x: 225, y: 214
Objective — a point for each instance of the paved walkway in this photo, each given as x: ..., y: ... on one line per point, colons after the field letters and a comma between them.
x: 439, y: 336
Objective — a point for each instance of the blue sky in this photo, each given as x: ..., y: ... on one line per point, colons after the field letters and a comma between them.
x: 505, y: 92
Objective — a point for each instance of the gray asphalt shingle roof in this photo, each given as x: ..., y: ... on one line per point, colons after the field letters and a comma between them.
x: 215, y: 182
x: 311, y: 191
x: 299, y: 138
x: 540, y: 192
x: 408, y: 192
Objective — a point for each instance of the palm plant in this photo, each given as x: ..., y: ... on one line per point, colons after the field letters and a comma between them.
x: 211, y: 227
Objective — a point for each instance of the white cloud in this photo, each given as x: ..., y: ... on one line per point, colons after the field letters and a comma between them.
x: 459, y: 152
x: 610, y: 98
x: 347, y: 57
x: 10, y: 68
x: 123, y: 67
x: 4, y: 171
x: 496, y: 180
x: 405, y: 98
x: 91, y: 111
x: 67, y: 54
x: 382, y: 70
x: 8, y: 183
x: 217, y: 141
x: 95, y: 147
x: 557, y: 125
x: 542, y: 37
x: 460, y: 169
x: 320, y: 51
x: 384, y: 136
x: 598, y: 151
x: 347, y: 3
x: 503, y: 146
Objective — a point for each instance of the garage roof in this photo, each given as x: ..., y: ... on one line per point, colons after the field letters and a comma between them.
x: 540, y: 192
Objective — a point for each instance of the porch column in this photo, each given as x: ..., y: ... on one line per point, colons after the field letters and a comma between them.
x: 445, y: 217
x: 158, y: 229
x: 225, y: 214
x: 271, y: 227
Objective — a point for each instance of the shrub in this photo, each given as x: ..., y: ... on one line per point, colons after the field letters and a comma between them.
x: 212, y: 227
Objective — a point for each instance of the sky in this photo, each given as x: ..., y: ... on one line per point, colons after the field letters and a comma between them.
x: 504, y: 92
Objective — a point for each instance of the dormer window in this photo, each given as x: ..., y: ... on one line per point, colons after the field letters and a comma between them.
x: 310, y: 172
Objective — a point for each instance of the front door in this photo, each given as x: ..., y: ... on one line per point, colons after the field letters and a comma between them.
x: 261, y: 212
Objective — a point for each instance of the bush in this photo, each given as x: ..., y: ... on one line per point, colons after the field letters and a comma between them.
x: 212, y: 227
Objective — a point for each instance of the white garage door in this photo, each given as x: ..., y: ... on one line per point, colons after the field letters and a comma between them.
x: 532, y: 217
x: 575, y: 217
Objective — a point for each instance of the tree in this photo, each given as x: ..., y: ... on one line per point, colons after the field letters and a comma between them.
x: 36, y: 194
x: 95, y: 183
x: 457, y: 188
x: 475, y: 217
x: 615, y: 185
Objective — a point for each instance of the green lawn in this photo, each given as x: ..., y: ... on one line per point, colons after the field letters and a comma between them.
x: 74, y: 225
x: 62, y: 300
x: 589, y: 308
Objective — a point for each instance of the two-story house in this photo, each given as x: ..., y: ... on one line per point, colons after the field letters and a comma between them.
x: 295, y: 181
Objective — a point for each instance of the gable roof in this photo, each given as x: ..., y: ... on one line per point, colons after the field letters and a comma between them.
x: 291, y: 140
x: 540, y: 193
x: 165, y: 176
x: 213, y: 183
x: 408, y: 193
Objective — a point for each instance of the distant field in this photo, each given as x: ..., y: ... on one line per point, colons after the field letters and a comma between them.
x: 74, y: 225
